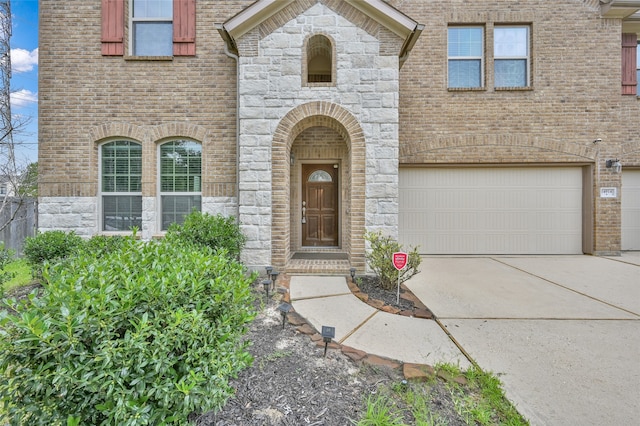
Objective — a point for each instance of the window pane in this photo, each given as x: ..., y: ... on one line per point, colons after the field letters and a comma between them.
x: 511, y: 42
x: 153, y: 8
x: 176, y: 207
x: 121, y: 167
x: 464, y: 73
x: 153, y: 39
x: 511, y: 73
x: 121, y: 212
x: 465, y: 42
x: 180, y: 167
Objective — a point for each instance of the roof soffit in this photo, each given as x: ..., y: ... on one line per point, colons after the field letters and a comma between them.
x: 620, y: 9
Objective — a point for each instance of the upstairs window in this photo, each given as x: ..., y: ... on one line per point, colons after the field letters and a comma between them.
x: 180, y: 180
x: 319, y: 60
x: 511, y: 56
x: 121, y: 185
x: 152, y: 24
x: 465, y: 57
x: 157, y: 27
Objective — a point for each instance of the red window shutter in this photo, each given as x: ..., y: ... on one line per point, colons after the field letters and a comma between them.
x: 113, y: 27
x: 184, y: 27
x: 629, y: 52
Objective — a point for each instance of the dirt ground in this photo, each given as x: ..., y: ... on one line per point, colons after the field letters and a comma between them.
x: 292, y: 382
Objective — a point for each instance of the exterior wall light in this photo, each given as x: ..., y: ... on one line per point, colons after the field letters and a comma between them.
x: 614, y: 165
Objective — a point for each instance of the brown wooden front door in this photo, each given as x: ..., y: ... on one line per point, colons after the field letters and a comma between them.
x: 319, y: 205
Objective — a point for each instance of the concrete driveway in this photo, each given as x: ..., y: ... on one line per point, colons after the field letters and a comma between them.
x: 561, y: 332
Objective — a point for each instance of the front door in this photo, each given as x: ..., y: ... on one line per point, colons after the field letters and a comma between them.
x: 319, y: 205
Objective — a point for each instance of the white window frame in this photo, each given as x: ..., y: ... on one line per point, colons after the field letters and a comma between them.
x: 102, y: 193
x: 133, y: 20
x: 162, y: 193
x: 526, y: 58
x: 463, y: 58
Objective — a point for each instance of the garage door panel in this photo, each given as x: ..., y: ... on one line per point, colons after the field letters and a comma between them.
x: 492, y: 210
x: 630, y: 210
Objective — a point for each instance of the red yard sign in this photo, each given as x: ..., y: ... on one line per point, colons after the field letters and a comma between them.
x: 399, y: 260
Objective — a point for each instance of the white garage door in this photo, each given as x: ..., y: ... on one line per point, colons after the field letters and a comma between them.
x: 631, y: 210
x: 525, y: 210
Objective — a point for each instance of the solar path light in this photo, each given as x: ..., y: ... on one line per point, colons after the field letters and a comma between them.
x: 352, y: 271
x: 328, y: 333
x: 266, y: 284
x: 274, y: 277
x: 284, y: 309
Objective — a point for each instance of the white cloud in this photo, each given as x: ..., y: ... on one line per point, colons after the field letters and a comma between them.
x: 23, y: 98
x: 23, y: 60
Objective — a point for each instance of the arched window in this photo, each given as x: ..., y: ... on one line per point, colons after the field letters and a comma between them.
x: 319, y: 60
x: 180, y: 180
x: 320, y: 176
x: 121, y: 185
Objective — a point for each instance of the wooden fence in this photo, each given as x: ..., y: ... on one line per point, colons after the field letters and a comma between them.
x: 23, y: 225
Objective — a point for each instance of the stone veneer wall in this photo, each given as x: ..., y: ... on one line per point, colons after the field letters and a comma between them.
x: 271, y: 86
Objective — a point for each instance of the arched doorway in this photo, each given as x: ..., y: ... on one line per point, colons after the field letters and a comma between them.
x: 318, y: 134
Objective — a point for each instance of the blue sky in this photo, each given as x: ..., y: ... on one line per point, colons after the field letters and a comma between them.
x: 24, y: 76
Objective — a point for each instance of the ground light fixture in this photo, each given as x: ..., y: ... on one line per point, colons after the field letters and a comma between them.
x: 328, y: 333
x: 269, y: 269
x: 352, y: 272
x: 284, y: 309
x: 266, y: 284
x: 274, y: 277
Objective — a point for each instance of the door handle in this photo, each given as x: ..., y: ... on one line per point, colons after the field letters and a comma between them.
x: 304, y: 212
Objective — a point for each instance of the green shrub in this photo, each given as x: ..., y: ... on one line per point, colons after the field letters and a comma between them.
x: 50, y: 246
x: 100, y: 245
x: 380, y: 256
x: 6, y: 256
x: 147, y: 334
x: 213, y: 231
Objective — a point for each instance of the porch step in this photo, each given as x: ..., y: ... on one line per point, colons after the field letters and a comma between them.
x: 318, y: 266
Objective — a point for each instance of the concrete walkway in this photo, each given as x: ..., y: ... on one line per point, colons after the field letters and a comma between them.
x: 562, y: 332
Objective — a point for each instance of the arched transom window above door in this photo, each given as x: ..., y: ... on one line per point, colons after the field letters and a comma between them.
x: 320, y: 176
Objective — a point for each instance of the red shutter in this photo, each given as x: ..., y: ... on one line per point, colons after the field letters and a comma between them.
x: 184, y: 27
x: 629, y: 75
x: 113, y: 27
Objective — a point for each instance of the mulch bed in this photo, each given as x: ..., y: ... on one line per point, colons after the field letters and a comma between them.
x: 292, y: 381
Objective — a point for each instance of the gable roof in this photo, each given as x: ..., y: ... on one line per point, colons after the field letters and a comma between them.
x: 386, y: 15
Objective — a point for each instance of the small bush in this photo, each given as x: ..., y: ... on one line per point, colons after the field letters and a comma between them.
x: 380, y: 260
x: 146, y: 334
x: 100, y: 245
x: 50, y: 246
x: 213, y: 231
x: 6, y: 256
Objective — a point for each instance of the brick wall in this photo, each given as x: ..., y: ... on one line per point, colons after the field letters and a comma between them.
x: 86, y: 98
